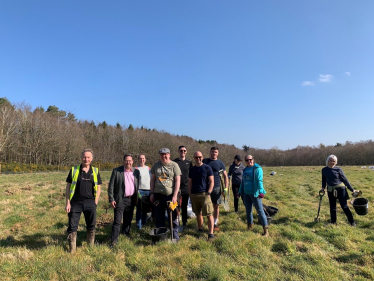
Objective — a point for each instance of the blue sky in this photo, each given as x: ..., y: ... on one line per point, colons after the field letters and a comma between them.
x: 261, y: 73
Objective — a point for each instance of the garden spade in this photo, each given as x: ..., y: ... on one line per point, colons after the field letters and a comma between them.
x: 321, y: 193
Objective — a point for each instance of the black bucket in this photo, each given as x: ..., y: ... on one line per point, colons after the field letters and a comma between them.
x: 159, y: 234
x: 361, y: 206
x: 146, y: 204
x: 269, y: 219
x: 270, y: 210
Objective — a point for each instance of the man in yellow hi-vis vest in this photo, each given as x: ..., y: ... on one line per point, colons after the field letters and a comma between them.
x: 82, y: 195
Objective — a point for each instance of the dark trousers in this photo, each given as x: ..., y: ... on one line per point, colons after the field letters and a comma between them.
x: 185, y: 198
x: 235, y: 192
x: 159, y: 212
x: 342, y: 197
x: 124, y: 210
x: 89, y: 211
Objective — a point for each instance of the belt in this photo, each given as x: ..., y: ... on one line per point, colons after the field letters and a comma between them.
x: 333, y: 188
x: 127, y: 196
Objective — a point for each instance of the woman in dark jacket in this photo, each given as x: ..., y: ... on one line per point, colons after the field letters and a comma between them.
x: 236, y: 175
x: 337, y: 185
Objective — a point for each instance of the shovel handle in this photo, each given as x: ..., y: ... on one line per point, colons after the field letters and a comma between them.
x: 321, y: 193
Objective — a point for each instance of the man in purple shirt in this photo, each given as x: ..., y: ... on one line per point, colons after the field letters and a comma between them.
x: 122, y: 194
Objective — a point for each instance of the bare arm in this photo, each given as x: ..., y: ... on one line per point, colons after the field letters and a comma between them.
x: 153, y: 180
x: 189, y: 186
x: 211, y: 183
x: 98, y: 194
x: 67, y: 195
x: 226, y: 179
x: 177, y: 182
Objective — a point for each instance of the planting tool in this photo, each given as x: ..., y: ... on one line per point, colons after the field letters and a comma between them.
x: 170, y: 207
x: 321, y: 193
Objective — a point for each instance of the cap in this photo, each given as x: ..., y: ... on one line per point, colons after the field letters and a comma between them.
x: 238, y: 157
x: 164, y: 150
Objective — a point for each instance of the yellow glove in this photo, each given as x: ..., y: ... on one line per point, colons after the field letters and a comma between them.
x: 173, y: 206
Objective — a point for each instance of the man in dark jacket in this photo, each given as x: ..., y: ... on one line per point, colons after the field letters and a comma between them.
x: 122, y: 193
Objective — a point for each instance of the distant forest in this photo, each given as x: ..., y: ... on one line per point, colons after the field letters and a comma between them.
x: 54, y: 137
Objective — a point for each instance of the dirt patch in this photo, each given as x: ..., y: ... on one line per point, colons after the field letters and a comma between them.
x: 104, y: 220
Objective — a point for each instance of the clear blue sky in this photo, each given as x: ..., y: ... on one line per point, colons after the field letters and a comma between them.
x: 260, y: 73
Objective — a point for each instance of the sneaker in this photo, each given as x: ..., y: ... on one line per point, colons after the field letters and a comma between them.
x: 200, y: 230
x: 353, y: 224
x: 216, y: 228
x: 210, y: 237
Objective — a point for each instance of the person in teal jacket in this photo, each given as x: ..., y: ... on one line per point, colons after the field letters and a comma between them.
x: 252, y: 191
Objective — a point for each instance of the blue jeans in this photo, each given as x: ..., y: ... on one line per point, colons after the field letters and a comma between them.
x: 141, y: 218
x: 249, y: 201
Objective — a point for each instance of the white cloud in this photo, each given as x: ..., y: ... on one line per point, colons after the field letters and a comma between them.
x: 307, y: 83
x: 348, y: 73
x: 325, y: 78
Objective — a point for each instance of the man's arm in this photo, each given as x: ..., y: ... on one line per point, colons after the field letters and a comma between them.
x: 225, y: 179
x: 177, y: 182
x: 189, y: 186
x: 67, y: 195
x: 153, y: 180
x: 111, y: 189
x: 98, y: 194
x: 211, y: 183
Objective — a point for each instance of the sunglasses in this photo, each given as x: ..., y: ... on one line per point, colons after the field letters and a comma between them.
x: 198, y: 157
x: 183, y: 150
x: 247, y: 160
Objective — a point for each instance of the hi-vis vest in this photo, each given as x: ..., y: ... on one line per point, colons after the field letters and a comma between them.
x: 75, y: 173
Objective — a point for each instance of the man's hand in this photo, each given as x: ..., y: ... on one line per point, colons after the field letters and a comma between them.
x: 113, y: 204
x: 67, y: 207
x: 174, y: 199
x: 151, y: 198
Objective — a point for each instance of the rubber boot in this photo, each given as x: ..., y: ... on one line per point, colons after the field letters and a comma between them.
x: 266, y: 231
x: 250, y: 226
x: 72, y: 237
x: 91, y: 237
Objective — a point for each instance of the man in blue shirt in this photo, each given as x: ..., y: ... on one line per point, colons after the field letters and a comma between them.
x: 217, y: 167
x: 200, y: 187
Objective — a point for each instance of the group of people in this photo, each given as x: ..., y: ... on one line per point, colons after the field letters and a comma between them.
x: 167, y: 182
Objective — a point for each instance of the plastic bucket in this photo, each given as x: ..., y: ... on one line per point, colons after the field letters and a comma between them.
x: 268, y: 218
x: 159, y: 234
x: 361, y: 206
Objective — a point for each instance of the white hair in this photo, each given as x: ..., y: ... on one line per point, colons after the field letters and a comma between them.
x: 87, y: 150
x: 333, y: 157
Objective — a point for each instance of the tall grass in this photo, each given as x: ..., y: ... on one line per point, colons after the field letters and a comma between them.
x: 33, y: 243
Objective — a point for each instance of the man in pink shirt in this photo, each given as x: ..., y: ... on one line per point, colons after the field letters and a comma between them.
x: 122, y: 194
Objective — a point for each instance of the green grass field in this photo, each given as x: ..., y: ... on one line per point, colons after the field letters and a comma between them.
x: 33, y: 244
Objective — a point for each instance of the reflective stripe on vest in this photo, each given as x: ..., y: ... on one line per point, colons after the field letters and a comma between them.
x: 75, y: 173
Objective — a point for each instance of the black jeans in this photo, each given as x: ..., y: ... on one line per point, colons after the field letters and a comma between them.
x: 89, y: 211
x: 235, y: 192
x: 185, y: 198
x: 342, y: 197
x: 159, y: 212
x: 124, y: 210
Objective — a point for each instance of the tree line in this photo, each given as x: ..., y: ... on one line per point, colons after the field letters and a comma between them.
x: 55, y: 137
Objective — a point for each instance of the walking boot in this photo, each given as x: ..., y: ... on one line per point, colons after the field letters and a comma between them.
x: 266, y: 231
x: 72, y: 237
x: 250, y: 226
x: 91, y: 237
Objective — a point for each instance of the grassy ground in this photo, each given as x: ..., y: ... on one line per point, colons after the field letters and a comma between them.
x: 33, y: 243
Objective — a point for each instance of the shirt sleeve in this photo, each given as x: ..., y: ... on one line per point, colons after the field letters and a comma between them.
x: 99, y: 182
x: 209, y: 171
x: 323, y: 180
x: 177, y: 170
x: 69, y: 179
x: 345, y: 180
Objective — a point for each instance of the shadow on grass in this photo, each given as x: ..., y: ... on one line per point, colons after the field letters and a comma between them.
x: 35, y: 241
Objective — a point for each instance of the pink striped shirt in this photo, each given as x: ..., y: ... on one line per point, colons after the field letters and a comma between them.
x: 129, y: 183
